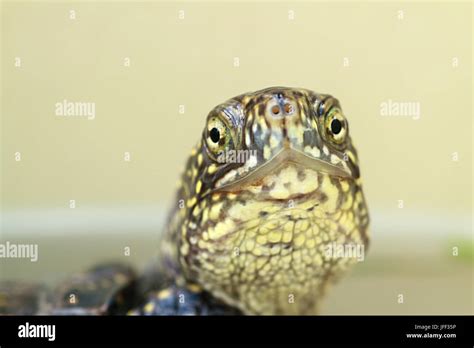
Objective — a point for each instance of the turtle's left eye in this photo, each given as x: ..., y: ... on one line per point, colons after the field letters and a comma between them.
x: 336, y: 126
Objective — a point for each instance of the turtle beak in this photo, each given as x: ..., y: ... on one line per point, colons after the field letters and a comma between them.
x: 288, y: 155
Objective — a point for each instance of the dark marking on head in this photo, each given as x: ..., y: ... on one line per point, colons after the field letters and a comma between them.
x: 301, y: 175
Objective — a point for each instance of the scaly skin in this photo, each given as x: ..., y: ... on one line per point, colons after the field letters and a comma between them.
x: 251, y: 228
x: 254, y: 231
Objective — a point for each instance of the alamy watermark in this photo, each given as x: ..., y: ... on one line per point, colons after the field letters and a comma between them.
x: 28, y: 330
x: 236, y: 156
x: 345, y: 251
x: 75, y: 109
x: 21, y: 251
x: 400, y: 109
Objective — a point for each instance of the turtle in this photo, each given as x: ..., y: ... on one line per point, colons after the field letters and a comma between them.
x: 269, y: 194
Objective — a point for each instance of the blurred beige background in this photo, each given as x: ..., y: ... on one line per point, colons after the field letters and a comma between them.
x: 141, y: 62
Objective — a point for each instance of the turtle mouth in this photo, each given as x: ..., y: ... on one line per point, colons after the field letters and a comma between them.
x: 286, y: 157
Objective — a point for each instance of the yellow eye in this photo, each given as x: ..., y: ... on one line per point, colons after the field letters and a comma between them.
x: 336, y: 126
x: 218, y: 136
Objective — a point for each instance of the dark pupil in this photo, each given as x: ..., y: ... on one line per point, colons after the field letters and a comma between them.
x: 215, y: 135
x: 336, y: 126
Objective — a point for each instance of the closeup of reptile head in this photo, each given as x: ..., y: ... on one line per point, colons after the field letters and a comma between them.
x: 273, y: 208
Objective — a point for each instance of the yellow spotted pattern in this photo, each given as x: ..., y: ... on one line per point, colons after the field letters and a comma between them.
x: 261, y: 247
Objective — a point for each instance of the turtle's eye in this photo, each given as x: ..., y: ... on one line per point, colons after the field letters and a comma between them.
x: 218, y: 137
x: 336, y: 126
x: 215, y: 135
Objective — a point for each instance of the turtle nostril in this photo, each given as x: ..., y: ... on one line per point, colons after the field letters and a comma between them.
x: 288, y: 108
x: 275, y: 110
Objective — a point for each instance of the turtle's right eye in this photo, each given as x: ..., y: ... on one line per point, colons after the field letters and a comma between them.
x: 218, y: 137
x: 215, y: 135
